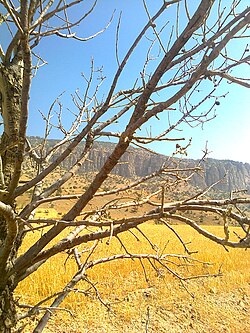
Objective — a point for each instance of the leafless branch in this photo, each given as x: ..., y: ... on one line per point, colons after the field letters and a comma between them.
x: 167, y: 88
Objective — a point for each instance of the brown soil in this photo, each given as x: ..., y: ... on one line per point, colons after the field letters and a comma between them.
x: 210, y: 313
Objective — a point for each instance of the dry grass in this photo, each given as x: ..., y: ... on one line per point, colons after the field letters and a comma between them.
x: 163, y: 300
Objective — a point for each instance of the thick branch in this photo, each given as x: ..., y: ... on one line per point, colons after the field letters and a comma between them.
x: 12, y: 229
x: 244, y: 243
x: 26, y: 82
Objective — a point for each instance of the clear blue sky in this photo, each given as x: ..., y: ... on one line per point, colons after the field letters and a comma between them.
x: 228, y: 135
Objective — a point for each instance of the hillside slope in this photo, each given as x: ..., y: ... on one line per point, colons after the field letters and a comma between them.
x: 138, y: 162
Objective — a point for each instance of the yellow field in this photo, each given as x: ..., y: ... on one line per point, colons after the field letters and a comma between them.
x: 163, y: 304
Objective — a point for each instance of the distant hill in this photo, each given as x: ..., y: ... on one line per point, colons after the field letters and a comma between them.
x: 138, y: 162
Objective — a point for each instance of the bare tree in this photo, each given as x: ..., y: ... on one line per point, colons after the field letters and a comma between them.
x: 171, y: 82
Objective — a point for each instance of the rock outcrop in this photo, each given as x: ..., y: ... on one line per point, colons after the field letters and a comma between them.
x: 137, y: 163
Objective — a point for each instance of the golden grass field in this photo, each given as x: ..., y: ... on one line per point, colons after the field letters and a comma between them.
x: 163, y: 304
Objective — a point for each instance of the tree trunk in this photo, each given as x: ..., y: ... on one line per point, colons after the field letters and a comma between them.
x: 7, y: 310
x: 10, y: 105
x: 10, y: 89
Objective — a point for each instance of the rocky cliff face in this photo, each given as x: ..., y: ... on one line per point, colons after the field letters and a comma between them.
x: 233, y: 175
x: 138, y: 163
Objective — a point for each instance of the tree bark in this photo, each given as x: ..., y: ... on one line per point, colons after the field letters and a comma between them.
x: 7, y: 310
x: 10, y: 88
x: 10, y: 92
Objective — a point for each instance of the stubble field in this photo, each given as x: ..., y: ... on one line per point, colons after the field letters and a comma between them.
x: 140, y: 299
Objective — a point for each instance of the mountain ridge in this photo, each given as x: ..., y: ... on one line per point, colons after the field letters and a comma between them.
x: 137, y: 162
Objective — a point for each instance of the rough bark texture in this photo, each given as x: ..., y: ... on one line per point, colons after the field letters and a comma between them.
x: 10, y: 88
x: 7, y: 310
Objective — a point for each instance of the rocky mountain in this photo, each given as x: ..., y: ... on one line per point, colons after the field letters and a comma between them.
x: 138, y: 162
